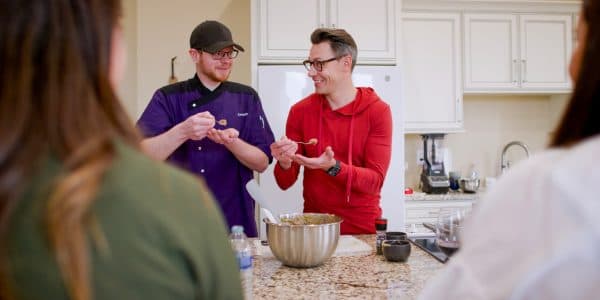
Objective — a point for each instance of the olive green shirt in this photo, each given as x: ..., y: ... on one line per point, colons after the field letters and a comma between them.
x: 166, y: 238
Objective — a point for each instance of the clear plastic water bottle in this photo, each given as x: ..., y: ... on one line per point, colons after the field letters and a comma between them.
x: 243, y: 252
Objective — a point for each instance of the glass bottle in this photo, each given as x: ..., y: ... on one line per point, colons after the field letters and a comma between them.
x: 380, y: 229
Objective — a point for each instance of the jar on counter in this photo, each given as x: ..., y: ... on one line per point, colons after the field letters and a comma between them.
x: 380, y: 229
x: 454, y: 178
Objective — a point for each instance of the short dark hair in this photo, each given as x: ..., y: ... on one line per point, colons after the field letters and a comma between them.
x: 341, y: 42
x: 580, y: 119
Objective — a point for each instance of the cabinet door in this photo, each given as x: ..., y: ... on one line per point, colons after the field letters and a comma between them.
x: 546, y: 45
x: 285, y: 27
x: 420, y: 211
x: 491, y: 53
x: 371, y: 24
x: 432, y: 70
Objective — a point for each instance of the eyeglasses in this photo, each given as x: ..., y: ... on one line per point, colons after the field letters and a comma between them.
x: 317, y: 65
x: 219, y: 55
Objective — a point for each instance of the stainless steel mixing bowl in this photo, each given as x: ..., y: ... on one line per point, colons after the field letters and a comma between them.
x: 469, y: 185
x: 304, y: 246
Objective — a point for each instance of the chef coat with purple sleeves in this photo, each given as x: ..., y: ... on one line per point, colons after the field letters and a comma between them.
x: 224, y: 174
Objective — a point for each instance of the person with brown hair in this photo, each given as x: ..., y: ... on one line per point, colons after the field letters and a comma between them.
x: 535, y: 235
x: 352, y: 127
x: 83, y: 214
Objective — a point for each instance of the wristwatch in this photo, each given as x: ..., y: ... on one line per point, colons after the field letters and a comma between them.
x: 333, y: 171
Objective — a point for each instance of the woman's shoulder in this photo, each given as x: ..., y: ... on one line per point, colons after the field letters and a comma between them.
x: 567, y: 166
x: 565, y: 177
x: 576, y: 176
x: 156, y: 220
x: 533, y: 210
x: 132, y: 161
x: 142, y: 182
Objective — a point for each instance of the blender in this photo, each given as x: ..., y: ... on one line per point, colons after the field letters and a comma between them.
x: 433, y: 177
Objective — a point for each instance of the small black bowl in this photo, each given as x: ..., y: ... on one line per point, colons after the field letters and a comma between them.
x: 396, y: 250
x: 395, y: 235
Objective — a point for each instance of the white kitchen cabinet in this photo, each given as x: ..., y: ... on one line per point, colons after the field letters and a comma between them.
x: 284, y: 28
x: 431, y: 64
x: 371, y: 24
x: 517, y: 52
x: 426, y: 211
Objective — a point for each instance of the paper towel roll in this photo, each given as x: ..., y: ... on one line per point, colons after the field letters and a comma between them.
x: 447, y: 154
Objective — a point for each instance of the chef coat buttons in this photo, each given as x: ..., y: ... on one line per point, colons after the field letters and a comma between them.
x: 199, y: 148
x: 201, y: 170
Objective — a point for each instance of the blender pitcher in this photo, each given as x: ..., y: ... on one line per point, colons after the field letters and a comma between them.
x: 433, y: 177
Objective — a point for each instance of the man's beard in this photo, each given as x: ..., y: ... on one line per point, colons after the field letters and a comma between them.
x: 217, y: 76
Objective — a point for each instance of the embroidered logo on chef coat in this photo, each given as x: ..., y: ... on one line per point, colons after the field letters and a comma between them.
x: 242, y: 114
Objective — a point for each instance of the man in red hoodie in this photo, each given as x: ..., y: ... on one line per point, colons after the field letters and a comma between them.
x: 349, y: 130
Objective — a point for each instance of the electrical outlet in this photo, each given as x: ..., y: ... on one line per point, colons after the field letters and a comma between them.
x: 420, y: 159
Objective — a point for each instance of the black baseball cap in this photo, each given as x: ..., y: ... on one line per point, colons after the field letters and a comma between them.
x: 212, y: 36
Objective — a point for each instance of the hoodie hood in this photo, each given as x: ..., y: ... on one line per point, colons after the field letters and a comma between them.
x: 365, y: 96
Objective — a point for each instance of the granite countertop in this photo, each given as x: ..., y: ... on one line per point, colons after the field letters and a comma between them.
x: 368, y: 276
x: 418, y: 196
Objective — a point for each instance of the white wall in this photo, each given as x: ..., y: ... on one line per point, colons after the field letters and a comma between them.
x: 128, y: 89
x: 490, y: 123
x: 157, y: 30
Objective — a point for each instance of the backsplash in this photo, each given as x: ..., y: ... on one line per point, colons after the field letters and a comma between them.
x: 490, y: 123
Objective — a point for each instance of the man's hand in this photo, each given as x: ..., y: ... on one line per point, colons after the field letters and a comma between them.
x: 323, y: 162
x: 223, y: 137
x: 283, y: 151
x: 196, y: 127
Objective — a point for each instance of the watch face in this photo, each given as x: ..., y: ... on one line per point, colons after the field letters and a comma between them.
x: 333, y: 171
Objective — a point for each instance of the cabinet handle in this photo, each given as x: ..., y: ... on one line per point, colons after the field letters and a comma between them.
x: 514, y: 75
x: 333, y: 25
x: 524, y: 62
x: 322, y: 25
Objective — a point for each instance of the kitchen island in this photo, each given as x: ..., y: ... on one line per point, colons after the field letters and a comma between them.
x: 366, y: 276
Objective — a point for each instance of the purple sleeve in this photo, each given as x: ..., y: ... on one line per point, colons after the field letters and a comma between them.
x: 260, y: 134
x: 157, y: 118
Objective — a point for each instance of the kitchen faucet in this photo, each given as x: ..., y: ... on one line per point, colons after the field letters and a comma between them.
x: 505, y: 164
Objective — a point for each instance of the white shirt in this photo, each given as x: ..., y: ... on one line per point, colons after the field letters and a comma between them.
x: 535, y: 235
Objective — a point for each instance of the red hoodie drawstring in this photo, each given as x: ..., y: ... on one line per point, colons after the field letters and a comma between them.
x: 349, y: 181
x: 319, y: 148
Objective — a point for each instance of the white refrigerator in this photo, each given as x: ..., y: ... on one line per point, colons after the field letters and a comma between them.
x: 280, y: 86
